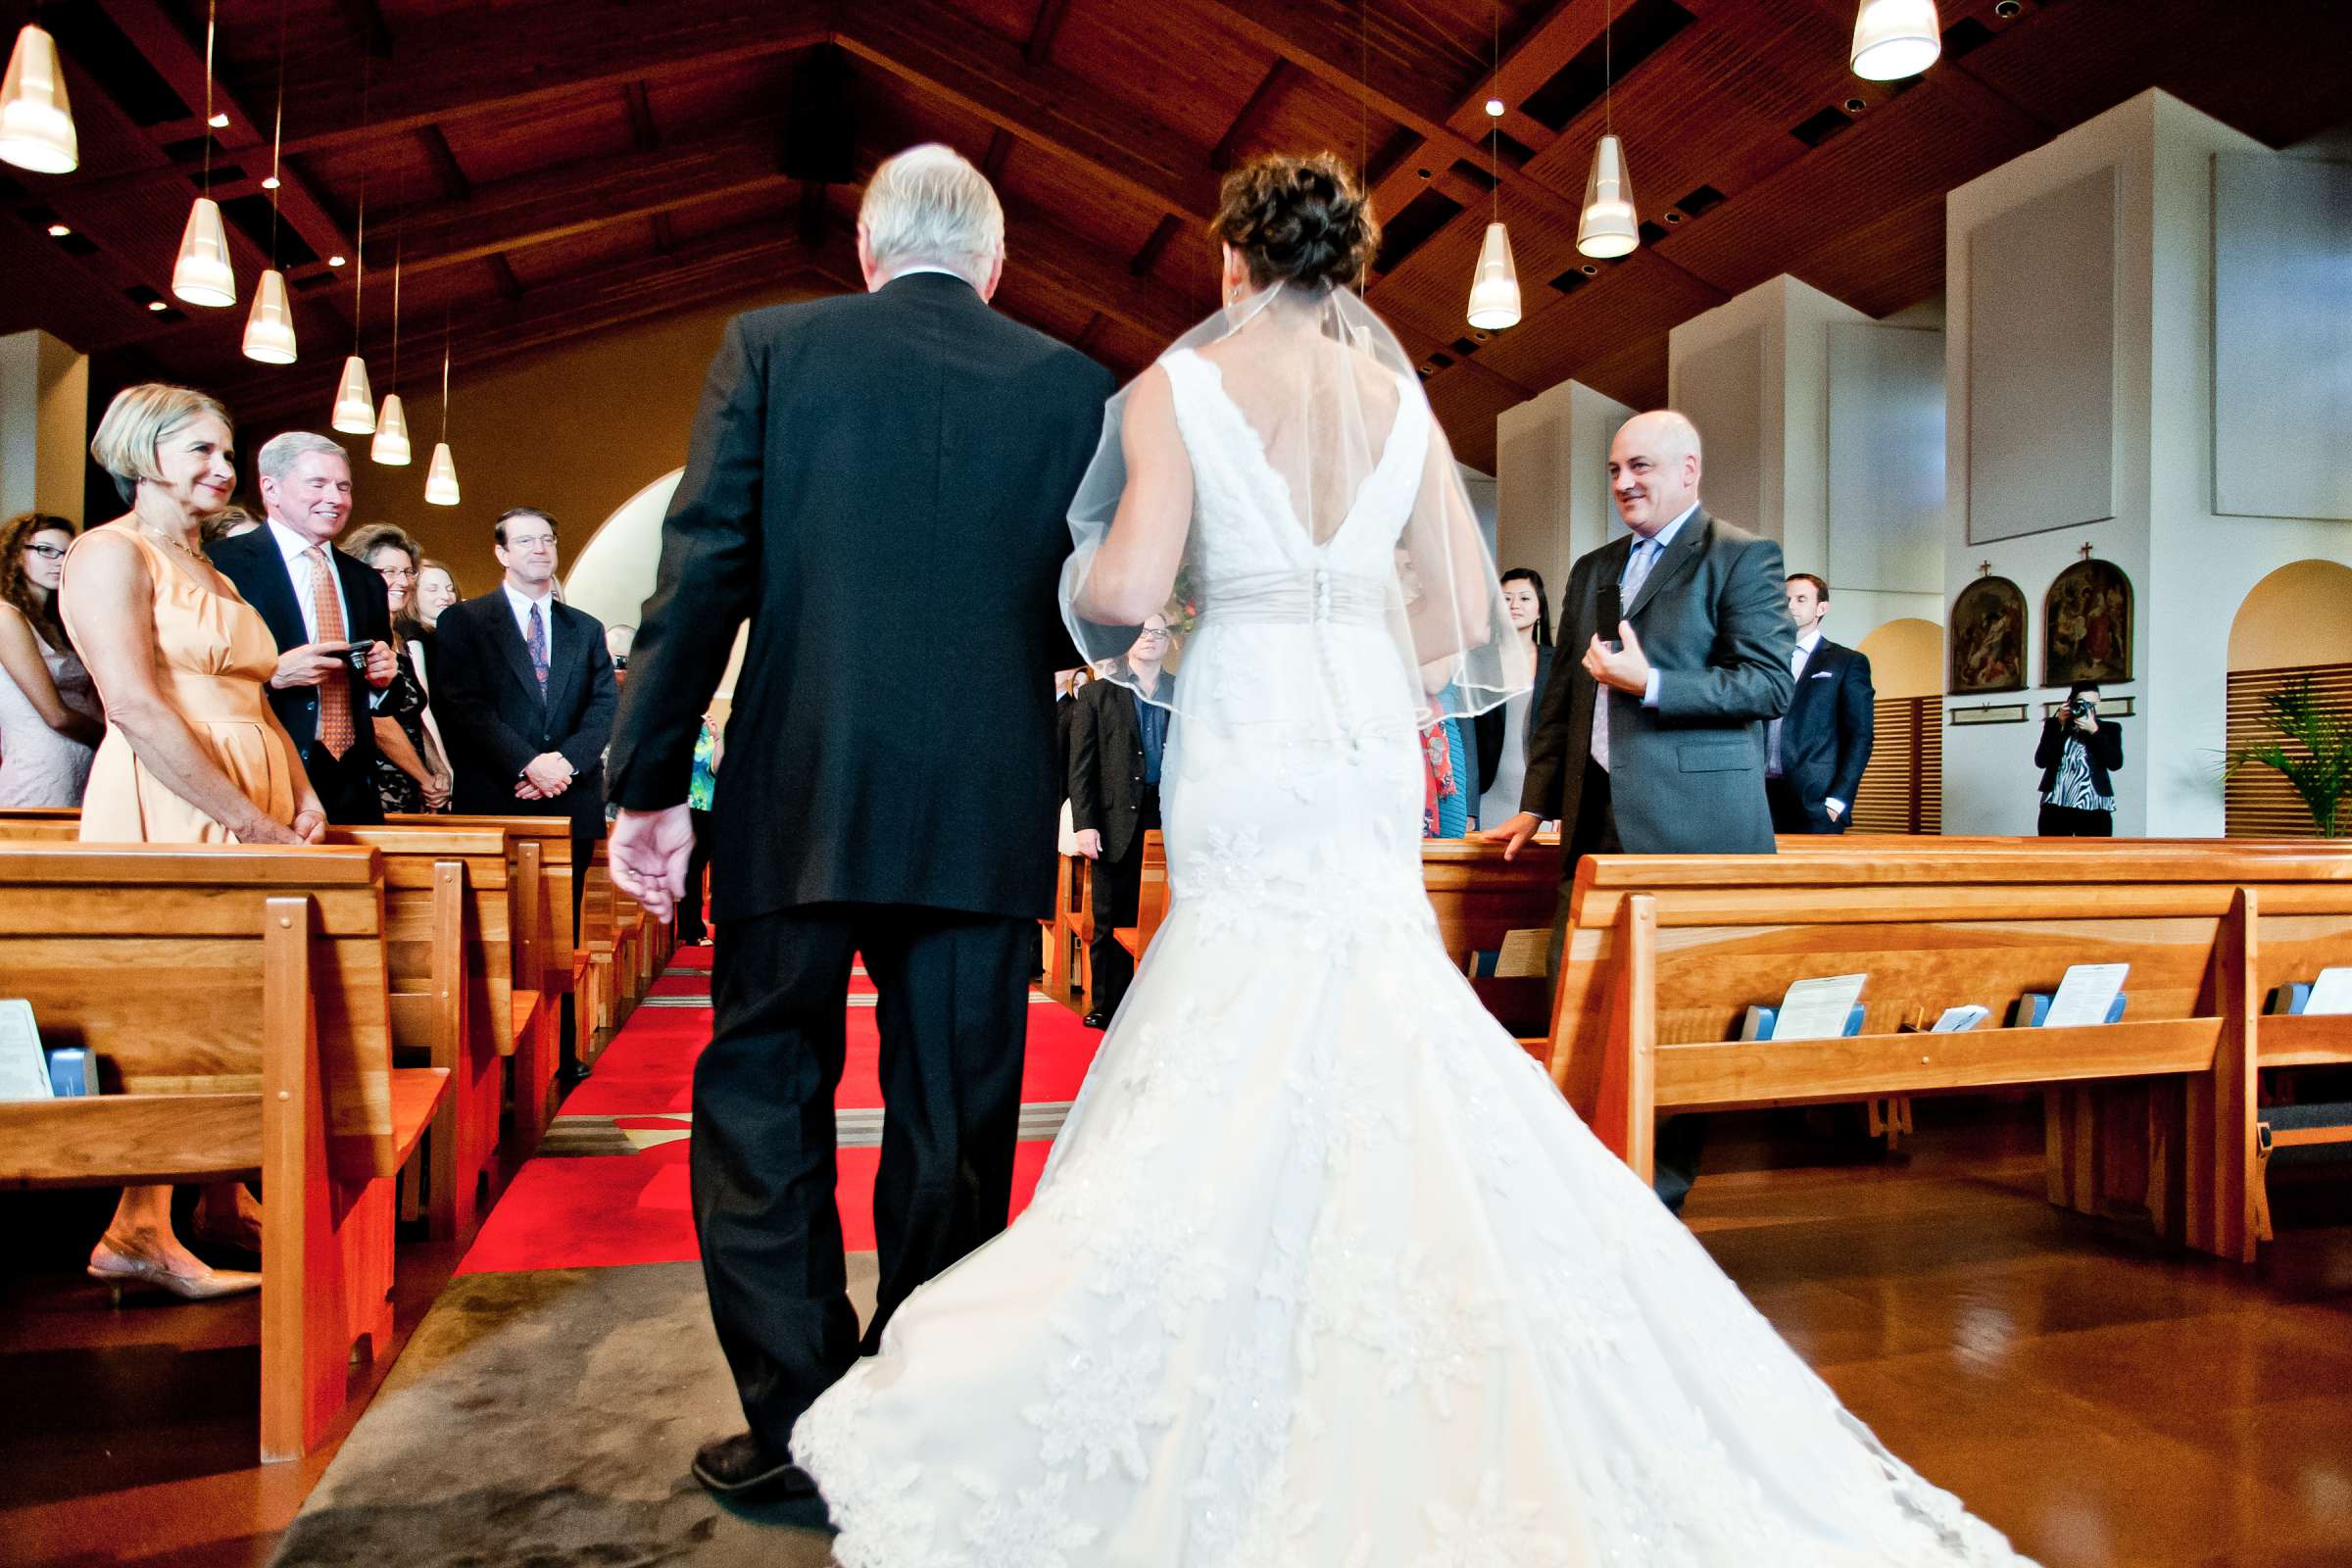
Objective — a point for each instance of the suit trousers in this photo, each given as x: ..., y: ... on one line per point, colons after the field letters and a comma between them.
x: 1117, y: 890
x: 2072, y: 823
x: 1681, y: 1140
x: 953, y: 1008
x: 345, y: 785
x: 1790, y: 813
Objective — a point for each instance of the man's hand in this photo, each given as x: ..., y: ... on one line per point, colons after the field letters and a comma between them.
x: 1625, y: 668
x: 307, y: 665
x: 1090, y: 842
x: 382, y: 664
x: 648, y: 853
x: 1512, y: 833
x: 548, y: 773
x: 436, y: 792
x: 310, y: 823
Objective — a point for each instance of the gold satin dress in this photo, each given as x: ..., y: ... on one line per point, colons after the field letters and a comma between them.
x: 214, y: 656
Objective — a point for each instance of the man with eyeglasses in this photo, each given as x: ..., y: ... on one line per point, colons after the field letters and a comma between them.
x: 1119, y: 740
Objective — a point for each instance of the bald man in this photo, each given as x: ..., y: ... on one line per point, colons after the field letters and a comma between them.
x: 1683, y: 629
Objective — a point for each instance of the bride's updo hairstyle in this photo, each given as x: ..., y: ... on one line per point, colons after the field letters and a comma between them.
x: 1301, y: 221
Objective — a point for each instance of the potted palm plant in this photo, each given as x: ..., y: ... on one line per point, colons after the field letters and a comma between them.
x: 2312, y: 749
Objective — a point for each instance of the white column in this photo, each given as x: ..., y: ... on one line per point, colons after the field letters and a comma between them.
x: 1551, y: 480
x: 44, y: 425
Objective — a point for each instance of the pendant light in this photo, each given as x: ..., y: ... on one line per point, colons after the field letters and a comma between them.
x: 270, y: 330
x: 441, y: 479
x: 1895, y: 38
x: 1609, y: 226
x: 1495, y: 283
x: 36, y: 124
x: 202, y: 275
x: 354, y: 399
x: 391, y: 445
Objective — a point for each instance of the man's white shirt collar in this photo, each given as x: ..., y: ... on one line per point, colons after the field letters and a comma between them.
x: 1665, y: 536
x: 1809, y: 641
x: 520, y: 602
x: 291, y: 545
x: 944, y: 271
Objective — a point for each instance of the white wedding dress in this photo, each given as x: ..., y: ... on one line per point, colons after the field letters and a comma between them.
x: 1323, y: 1272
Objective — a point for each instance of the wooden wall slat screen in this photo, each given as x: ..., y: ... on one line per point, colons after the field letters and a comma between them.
x: 2259, y: 803
x: 1903, y: 788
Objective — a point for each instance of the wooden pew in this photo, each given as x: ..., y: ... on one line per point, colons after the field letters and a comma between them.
x: 449, y: 950
x: 1666, y: 950
x: 540, y: 922
x: 236, y: 1003
x: 1068, y: 969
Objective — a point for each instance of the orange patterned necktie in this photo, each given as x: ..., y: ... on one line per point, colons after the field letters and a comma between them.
x: 334, y: 693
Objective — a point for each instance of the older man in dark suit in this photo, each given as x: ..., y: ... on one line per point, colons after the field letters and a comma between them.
x: 328, y: 613
x: 1653, y: 743
x: 872, y: 477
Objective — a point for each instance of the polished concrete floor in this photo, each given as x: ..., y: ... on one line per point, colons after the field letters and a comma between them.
x: 2104, y: 1402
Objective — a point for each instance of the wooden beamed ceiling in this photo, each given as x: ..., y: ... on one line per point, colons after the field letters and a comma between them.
x: 550, y: 168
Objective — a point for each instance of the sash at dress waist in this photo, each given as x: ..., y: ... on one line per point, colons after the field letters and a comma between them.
x: 1298, y: 599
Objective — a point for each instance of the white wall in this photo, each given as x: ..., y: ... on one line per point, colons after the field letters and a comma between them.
x: 1551, y: 480
x: 1824, y: 429
x: 44, y: 425
x: 2189, y: 567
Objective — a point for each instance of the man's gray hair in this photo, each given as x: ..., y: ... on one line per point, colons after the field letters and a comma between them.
x: 280, y: 453
x: 929, y: 207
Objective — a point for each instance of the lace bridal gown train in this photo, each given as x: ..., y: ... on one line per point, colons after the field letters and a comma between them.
x: 1323, y: 1272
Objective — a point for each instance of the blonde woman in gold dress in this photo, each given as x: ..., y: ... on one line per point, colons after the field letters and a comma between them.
x: 192, y: 752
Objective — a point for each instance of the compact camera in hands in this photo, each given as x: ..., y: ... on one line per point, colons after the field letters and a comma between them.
x: 356, y: 656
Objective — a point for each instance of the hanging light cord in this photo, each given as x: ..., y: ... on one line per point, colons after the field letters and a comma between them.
x: 212, y: 22
x: 278, y: 134
x: 444, y: 375
x: 1494, y: 121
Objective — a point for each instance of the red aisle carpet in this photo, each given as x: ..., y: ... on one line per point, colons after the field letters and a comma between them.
x: 609, y: 1186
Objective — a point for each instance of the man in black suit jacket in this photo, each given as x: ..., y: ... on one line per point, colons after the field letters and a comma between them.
x: 1814, y: 756
x: 872, y: 478
x: 323, y: 699
x: 1682, y: 627
x: 525, y: 694
x: 1117, y: 742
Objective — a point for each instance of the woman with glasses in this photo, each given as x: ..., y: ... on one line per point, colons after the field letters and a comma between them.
x: 412, y: 771
x: 50, y: 720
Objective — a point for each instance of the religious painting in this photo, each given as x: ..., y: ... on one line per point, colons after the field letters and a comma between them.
x: 2086, y: 626
x: 1988, y: 637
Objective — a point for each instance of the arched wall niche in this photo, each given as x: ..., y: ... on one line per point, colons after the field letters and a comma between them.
x: 611, y: 577
x: 2300, y: 615
x: 1906, y: 658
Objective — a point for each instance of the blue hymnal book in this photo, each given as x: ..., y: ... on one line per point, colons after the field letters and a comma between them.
x: 1760, y: 1020
x: 70, y: 1071
x: 2290, y: 999
x: 2035, y: 1005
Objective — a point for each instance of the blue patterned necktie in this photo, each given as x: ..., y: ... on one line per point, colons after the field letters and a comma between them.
x: 534, y: 640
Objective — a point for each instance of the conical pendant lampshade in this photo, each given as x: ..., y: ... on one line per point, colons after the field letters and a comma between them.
x: 441, y: 479
x: 36, y: 124
x: 1608, y: 227
x: 391, y: 446
x: 202, y: 275
x: 1494, y: 286
x: 1895, y: 38
x: 270, y: 330
x: 355, y: 400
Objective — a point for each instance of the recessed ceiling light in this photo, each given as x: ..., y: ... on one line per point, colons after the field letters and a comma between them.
x: 157, y: 305
x: 1423, y: 172
x: 1495, y: 109
x: 219, y: 122
x: 1854, y: 106
x: 269, y: 183
x: 59, y: 231
x: 334, y: 260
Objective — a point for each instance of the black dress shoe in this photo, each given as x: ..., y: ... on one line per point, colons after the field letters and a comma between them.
x: 1096, y: 1020
x: 741, y: 1467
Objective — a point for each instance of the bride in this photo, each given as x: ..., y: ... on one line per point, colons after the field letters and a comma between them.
x: 1322, y: 1270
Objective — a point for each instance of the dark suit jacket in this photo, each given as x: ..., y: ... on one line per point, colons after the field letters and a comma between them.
x: 1106, y: 765
x: 2106, y: 749
x: 1687, y: 776
x: 1827, y: 735
x: 1490, y: 726
x: 254, y: 562
x: 487, y: 702
x: 880, y: 483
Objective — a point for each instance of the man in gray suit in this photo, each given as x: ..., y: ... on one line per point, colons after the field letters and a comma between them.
x: 1684, y: 630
